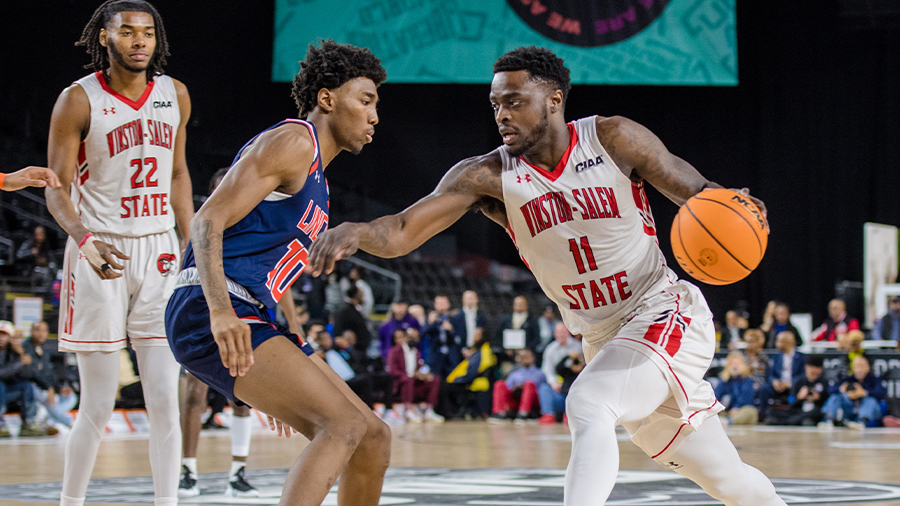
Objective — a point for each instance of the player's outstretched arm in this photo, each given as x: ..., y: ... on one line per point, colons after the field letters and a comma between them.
x: 69, y: 122
x: 277, y: 160
x: 641, y: 155
x: 182, y: 197
x: 470, y: 184
x: 37, y: 177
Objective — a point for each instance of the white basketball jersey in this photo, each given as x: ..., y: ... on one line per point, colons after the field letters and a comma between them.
x: 586, y: 232
x: 124, y: 175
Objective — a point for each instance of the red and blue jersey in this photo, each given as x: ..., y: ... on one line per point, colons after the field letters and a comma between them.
x: 267, y: 250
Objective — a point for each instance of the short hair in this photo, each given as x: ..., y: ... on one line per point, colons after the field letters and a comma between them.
x: 815, y: 360
x: 540, y: 63
x: 330, y: 66
x: 352, y: 291
x: 90, y: 36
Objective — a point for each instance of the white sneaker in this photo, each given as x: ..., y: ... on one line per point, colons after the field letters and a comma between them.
x: 413, y: 416
x: 392, y: 418
x: 187, y: 486
x: 238, y: 486
x: 856, y: 425
x: 826, y: 425
x: 431, y: 416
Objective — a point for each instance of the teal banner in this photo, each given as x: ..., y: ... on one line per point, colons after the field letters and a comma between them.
x: 657, y: 42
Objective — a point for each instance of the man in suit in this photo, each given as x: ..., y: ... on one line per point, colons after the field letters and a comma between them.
x: 520, y: 319
x: 788, y: 367
x: 412, y: 381
x: 442, y: 341
x: 468, y: 318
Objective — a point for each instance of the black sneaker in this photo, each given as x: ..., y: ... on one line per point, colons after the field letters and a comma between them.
x: 187, y: 487
x: 238, y: 486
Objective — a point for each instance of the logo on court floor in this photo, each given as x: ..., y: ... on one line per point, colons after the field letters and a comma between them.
x: 456, y: 487
x: 166, y: 264
x: 588, y: 24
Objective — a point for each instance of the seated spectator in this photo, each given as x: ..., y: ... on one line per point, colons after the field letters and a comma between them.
x: 469, y: 380
x: 350, y: 317
x: 517, y: 397
x: 836, y: 324
x: 519, y: 319
x: 735, y: 325
x: 735, y: 391
x: 780, y: 322
x: 48, y: 392
x: 35, y: 257
x: 856, y: 399
x: 15, y: 373
x: 553, y: 402
x: 756, y: 359
x: 851, y: 344
x: 887, y: 328
x: 563, y: 345
x: 381, y: 380
x: 413, y: 380
x: 810, y: 394
x: 444, y: 344
x: 397, y: 318
x: 787, y: 368
x: 546, y: 327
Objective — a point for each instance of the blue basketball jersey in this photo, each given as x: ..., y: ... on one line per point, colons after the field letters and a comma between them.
x: 267, y: 250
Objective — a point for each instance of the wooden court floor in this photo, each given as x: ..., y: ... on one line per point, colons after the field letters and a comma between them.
x: 842, y: 454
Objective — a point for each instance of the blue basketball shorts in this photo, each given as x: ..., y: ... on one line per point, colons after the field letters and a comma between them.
x: 190, y: 336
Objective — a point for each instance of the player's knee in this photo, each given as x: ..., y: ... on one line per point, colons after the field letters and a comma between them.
x: 378, y: 441
x: 349, y: 429
x: 195, y: 395
x: 586, y: 406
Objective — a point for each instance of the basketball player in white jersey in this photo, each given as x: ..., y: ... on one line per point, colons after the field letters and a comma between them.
x: 36, y: 177
x: 117, y: 140
x: 572, y: 198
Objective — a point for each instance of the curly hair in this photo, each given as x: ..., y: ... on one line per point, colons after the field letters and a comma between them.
x: 330, y: 66
x: 541, y: 63
x: 90, y: 36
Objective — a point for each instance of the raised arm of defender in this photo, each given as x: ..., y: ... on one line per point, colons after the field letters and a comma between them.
x: 472, y: 184
x: 642, y: 156
x: 269, y: 164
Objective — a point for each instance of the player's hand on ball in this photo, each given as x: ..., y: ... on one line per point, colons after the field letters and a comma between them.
x: 233, y: 338
x: 758, y: 203
x: 280, y: 427
x: 332, y: 245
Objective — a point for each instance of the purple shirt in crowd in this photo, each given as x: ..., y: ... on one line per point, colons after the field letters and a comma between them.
x: 387, y: 330
x: 518, y: 377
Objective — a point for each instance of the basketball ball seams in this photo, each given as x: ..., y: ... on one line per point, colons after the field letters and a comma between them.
x: 688, y: 207
x: 758, y: 242
x: 684, y: 249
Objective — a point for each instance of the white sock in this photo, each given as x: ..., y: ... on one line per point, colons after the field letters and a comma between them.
x: 165, y: 501
x: 235, y: 467
x: 191, y: 464
x: 241, y: 427
x: 70, y: 501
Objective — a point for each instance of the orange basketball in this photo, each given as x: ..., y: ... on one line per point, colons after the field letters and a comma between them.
x: 719, y: 236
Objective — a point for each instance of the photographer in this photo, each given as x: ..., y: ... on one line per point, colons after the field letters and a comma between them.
x: 553, y: 402
x: 856, y: 400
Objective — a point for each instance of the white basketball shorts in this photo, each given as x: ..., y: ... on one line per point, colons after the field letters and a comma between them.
x: 673, y: 328
x: 100, y: 314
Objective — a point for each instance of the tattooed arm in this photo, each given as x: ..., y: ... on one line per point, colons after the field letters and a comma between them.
x: 472, y: 184
x: 270, y: 163
x: 642, y: 156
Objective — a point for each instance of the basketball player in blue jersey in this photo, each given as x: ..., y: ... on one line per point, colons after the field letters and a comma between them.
x: 571, y: 196
x: 250, y: 241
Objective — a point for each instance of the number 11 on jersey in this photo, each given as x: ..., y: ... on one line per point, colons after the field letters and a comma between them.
x: 588, y: 254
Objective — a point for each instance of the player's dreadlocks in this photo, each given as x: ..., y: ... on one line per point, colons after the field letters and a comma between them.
x: 330, y: 66
x: 90, y: 37
x: 541, y: 63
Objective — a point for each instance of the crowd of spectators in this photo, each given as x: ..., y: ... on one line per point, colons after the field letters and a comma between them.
x: 767, y: 379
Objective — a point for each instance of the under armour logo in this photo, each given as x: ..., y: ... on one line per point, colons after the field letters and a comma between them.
x: 527, y: 178
x: 674, y: 465
x: 111, y: 110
